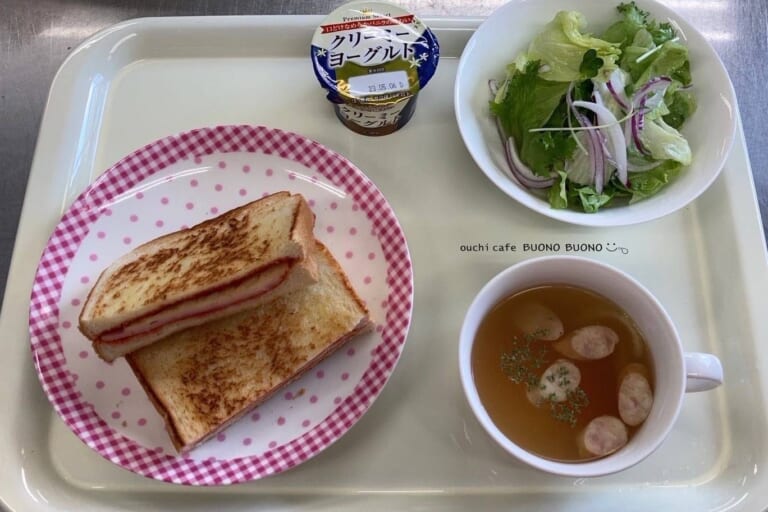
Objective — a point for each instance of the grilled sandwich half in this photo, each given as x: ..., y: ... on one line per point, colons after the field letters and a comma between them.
x: 243, y: 258
x: 204, y: 378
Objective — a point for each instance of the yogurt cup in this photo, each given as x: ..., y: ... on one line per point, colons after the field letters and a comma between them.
x: 373, y: 58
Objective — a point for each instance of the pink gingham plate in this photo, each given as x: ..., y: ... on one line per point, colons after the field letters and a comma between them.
x: 178, y: 181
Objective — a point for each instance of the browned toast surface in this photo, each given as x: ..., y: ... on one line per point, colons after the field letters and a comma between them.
x: 203, y: 378
x: 200, y: 263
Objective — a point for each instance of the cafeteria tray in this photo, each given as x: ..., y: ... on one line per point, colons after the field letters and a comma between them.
x: 419, y: 447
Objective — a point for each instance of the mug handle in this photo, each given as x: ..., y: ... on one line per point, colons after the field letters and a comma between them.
x: 702, y: 372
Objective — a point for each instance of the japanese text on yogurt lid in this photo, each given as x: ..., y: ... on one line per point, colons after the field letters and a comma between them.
x: 373, y: 59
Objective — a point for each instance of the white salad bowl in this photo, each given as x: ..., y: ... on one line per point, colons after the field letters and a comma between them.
x: 509, y: 30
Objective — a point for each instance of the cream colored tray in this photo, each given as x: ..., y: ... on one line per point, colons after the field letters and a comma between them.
x: 418, y: 447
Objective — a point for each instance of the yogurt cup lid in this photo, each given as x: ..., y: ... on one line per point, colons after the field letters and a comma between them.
x: 373, y: 52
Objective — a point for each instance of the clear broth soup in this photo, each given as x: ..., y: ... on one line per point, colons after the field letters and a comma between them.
x: 504, y: 356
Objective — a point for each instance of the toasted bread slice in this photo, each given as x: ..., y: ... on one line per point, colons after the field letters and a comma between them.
x: 203, y: 379
x: 238, y: 260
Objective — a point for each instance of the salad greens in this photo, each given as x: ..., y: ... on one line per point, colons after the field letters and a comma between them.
x: 596, y: 118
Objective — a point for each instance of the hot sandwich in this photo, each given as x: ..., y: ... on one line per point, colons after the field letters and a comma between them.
x: 241, y: 259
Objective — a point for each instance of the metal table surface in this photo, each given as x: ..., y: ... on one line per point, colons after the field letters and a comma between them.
x: 37, y: 35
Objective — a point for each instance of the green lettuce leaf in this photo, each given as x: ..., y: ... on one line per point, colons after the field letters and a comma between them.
x: 591, y: 200
x: 681, y: 105
x: 648, y: 183
x: 561, y: 47
x: 632, y: 20
x: 664, y: 142
x: 529, y: 102
x: 670, y: 60
x: 564, y: 193
x: 545, y: 152
x: 558, y: 192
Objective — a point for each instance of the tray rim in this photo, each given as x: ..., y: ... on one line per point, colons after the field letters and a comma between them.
x: 26, y: 241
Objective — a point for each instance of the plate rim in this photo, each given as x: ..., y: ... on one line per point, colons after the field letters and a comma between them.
x: 131, y: 170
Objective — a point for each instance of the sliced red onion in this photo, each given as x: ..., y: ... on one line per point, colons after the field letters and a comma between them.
x: 616, y: 96
x: 521, y: 171
x: 648, y: 97
x: 617, y: 143
x: 654, y: 84
x: 610, y: 160
x: 616, y: 88
x: 645, y: 99
x: 600, y: 168
x: 594, y: 148
x: 493, y: 86
x: 634, y: 122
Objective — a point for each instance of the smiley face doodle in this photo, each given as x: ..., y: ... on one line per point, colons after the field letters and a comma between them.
x: 613, y: 247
